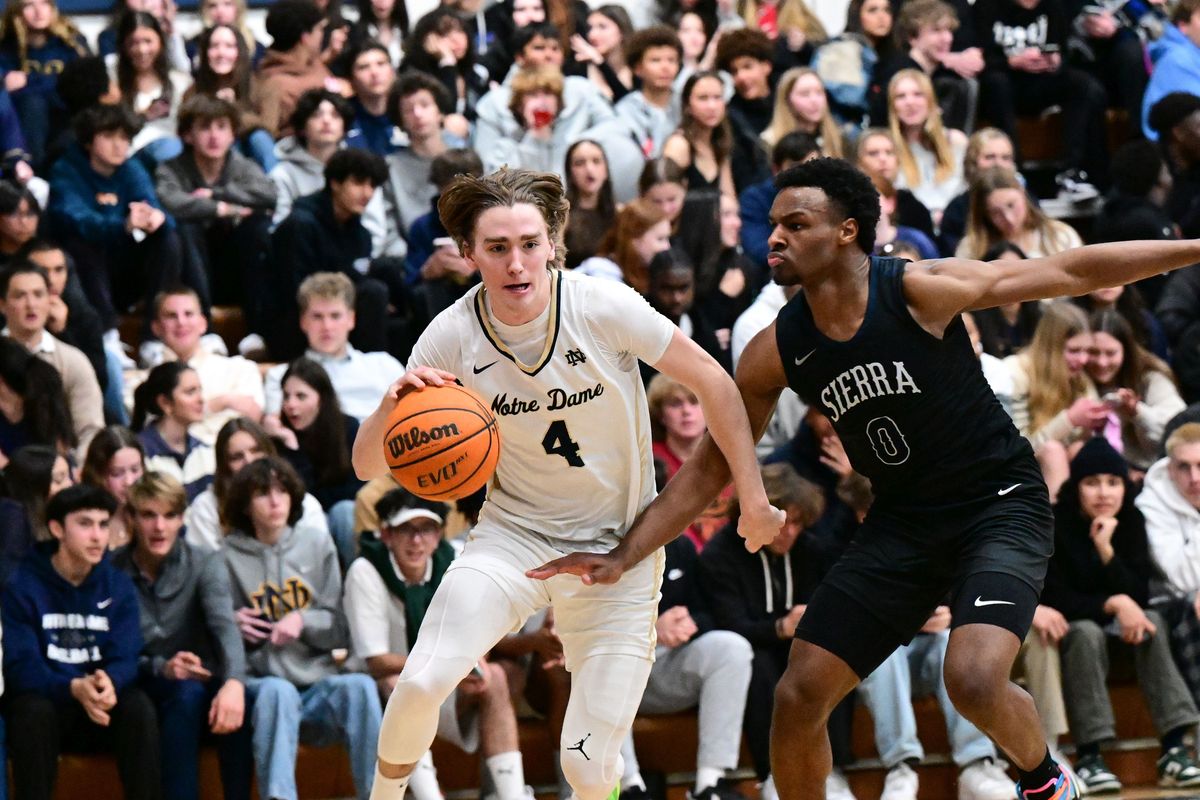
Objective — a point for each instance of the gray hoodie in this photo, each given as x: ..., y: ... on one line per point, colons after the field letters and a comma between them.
x: 298, y: 573
x: 187, y: 608
x: 299, y: 173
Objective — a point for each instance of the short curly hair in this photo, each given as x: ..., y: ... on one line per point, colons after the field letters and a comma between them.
x: 847, y: 188
x: 257, y: 478
x: 749, y: 42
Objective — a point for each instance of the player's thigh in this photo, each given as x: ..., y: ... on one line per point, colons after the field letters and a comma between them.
x: 608, y: 619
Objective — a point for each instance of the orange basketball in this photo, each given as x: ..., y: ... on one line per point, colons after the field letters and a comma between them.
x: 442, y: 442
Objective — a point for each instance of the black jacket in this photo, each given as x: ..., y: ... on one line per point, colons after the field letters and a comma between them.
x: 681, y: 584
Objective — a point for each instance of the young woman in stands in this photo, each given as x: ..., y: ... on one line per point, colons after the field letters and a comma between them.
x: 165, y: 405
x: 223, y: 68
x: 802, y: 105
x: 641, y: 231
x: 931, y: 156
x: 876, y: 156
x: 115, y: 461
x: 590, y: 192
x: 149, y: 86
x: 704, y: 141
x: 1001, y: 210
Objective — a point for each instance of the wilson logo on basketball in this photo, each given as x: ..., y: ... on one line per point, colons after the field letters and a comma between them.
x: 410, y: 440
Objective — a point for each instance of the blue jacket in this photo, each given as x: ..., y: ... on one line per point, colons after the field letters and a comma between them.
x: 55, y: 632
x: 756, y: 203
x: 1176, y: 69
x: 44, y: 64
x: 87, y: 204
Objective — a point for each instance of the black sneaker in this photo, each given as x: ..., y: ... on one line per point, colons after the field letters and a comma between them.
x: 722, y: 791
x: 634, y: 793
x: 1178, y: 769
x: 1096, y: 776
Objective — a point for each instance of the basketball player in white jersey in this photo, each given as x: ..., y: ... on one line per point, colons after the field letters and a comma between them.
x: 555, y: 356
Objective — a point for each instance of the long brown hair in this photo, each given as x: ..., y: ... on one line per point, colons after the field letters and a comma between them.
x: 637, y: 217
x: 209, y: 82
x: 1052, y: 388
x: 721, y: 138
x: 981, y: 234
x: 1137, y: 362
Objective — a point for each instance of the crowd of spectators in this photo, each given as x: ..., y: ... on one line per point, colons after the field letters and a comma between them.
x: 258, y: 595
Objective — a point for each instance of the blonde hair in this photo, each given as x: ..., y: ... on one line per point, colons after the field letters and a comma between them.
x: 468, y: 196
x: 1185, y: 434
x: 981, y: 234
x: 792, y: 14
x: 661, y: 390
x: 156, y: 486
x: 932, y: 131
x: 882, y: 184
x: 15, y: 32
x: 980, y: 139
x: 325, y: 286
x: 783, y: 119
x: 532, y: 80
x: 1051, y: 387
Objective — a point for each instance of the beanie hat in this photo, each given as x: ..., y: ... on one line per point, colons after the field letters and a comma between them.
x: 1097, y: 457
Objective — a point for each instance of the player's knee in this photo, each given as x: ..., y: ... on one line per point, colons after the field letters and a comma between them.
x: 799, y: 700
x: 425, y: 687
x: 973, y: 691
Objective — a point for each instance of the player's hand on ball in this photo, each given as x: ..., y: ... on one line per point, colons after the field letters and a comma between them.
x: 415, y: 378
x: 760, y: 525
x: 592, y: 568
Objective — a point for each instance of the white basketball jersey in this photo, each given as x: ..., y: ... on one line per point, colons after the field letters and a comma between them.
x: 575, y: 452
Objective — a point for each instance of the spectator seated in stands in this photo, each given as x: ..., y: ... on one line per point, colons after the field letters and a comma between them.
x: 654, y: 55
x: 1099, y: 578
x: 33, y: 409
x: 70, y: 677
x: 150, y: 88
x: 433, y: 267
x: 1170, y: 502
x: 83, y: 83
x: 25, y: 304
x: 416, y: 105
x: 222, y: 203
x: 192, y: 664
x: 165, y: 407
x: 801, y: 104
x: 1109, y: 41
x: 441, y: 46
x: 325, y: 233
x: 747, y: 55
x: 1006, y: 329
x: 20, y: 213
x: 372, y: 76
x: 696, y: 666
x: 986, y: 148
x: 875, y: 154
x: 1024, y: 45
x: 388, y: 590
x: 316, y: 437
x: 1176, y: 58
x: 107, y: 216
x: 930, y: 155
x: 540, y: 143
x: 1001, y: 211
x: 1145, y: 395
x: 589, y: 186
x: 292, y: 64
x: 115, y: 461
x: 239, y: 443
x: 1176, y: 117
x: 36, y: 43
x: 762, y: 596
x: 327, y: 318
x: 755, y: 202
x: 231, y: 386
x: 926, y: 28
x: 33, y: 475
x: 672, y: 292
x: 914, y: 670
x: 640, y: 232
x: 290, y: 616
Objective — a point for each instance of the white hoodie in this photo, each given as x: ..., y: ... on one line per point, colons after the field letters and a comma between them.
x: 1173, y: 530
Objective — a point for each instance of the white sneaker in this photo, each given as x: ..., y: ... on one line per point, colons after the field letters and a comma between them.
x: 767, y: 790
x: 837, y: 787
x: 901, y: 783
x: 984, y: 779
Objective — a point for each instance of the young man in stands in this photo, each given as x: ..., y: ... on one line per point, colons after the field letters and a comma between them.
x: 292, y: 64
x: 25, y: 304
x: 71, y: 645
x: 1176, y: 59
x: 325, y: 233
x: 746, y: 54
x: 372, y: 77
x: 221, y: 202
x: 416, y: 106
x: 327, y: 301
x: 655, y: 56
x: 106, y: 213
x: 232, y: 385
x: 388, y: 590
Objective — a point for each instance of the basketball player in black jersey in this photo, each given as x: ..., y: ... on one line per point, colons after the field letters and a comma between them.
x: 878, y: 345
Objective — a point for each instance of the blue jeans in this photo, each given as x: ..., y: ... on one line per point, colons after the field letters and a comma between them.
x: 182, y: 708
x: 340, y: 517
x: 912, y: 671
x: 114, y: 390
x: 258, y: 145
x: 340, y: 708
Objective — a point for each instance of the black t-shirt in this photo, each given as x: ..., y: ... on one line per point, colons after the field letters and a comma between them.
x: 914, y: 412
x: 1004, y: 28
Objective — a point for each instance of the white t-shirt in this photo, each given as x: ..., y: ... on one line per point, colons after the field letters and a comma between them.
x: 575, y: 459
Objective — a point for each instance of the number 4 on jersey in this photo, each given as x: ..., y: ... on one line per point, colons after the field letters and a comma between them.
x: 558, y: 442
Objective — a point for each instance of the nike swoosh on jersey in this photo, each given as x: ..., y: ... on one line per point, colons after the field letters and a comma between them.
x: 980, y: 602
x: 104, y: 603
x: 1003, y: 492
x: 477, y: 370
x: 800, y: 361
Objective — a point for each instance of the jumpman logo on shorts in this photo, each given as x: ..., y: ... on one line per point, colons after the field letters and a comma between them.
x: 579, y: 747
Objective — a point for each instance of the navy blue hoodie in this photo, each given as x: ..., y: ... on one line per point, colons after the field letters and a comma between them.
x: 55, y: 632
x: 85, y: 203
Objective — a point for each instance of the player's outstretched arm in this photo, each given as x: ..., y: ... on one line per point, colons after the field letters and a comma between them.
x: 367, y: 455
x: 760, y: 379
x: 940, y: 289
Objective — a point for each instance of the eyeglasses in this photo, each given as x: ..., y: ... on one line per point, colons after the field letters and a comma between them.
x: 415, y: 531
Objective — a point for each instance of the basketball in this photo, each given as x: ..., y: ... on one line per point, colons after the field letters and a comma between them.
x: 442, y: 442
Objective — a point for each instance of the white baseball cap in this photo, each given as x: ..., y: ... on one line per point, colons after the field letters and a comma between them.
x: 408, y: 515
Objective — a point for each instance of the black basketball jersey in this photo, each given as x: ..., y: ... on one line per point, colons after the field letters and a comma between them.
x: 914, y: 412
